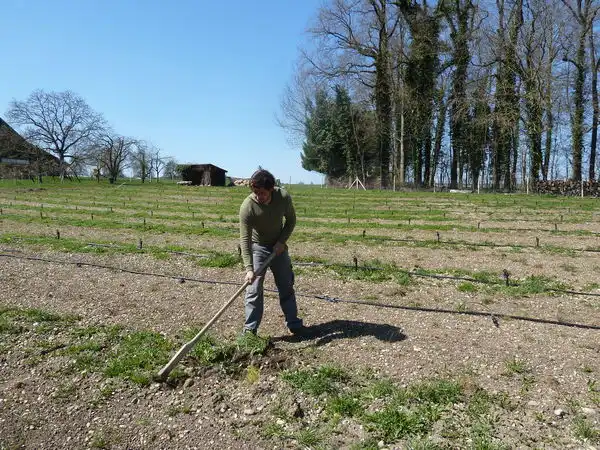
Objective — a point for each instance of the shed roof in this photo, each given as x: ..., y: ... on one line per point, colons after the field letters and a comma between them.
x: 206, y: 165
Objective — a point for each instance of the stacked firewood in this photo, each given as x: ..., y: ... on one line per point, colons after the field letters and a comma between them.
x: 568, y: 188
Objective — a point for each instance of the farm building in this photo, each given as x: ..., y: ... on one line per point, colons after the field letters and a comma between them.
x: 204, y: 175
x: 20, y: 159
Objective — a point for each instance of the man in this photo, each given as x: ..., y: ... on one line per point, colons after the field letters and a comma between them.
x: 262, y: 232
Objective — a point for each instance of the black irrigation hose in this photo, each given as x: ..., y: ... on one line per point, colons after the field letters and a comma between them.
x: 493, y: 316
x: 312, y: 264
x: 134, y: 272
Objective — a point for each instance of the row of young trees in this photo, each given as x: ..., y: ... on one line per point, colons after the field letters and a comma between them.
x: 64, y: 125
x: 453, y: 91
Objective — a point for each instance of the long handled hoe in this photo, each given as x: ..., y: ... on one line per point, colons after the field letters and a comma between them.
x: 184, y: 350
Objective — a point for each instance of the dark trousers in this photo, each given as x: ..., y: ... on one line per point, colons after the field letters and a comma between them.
x: 281, y: 267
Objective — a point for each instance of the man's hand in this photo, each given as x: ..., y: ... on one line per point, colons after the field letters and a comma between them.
x: 249, y: 276
x: 279, y: 248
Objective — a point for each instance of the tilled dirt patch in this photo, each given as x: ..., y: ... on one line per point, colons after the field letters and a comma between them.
x: 548, y: 373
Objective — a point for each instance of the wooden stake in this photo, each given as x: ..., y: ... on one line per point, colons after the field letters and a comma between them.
x: 506, y: 275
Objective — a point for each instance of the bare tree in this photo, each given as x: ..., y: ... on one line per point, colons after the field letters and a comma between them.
x: 113, y: 154
x: 170, y: 169
x: 296, y: 102
x: 538, y: 52
x: 157, y: 162
x: 59, y: 122
x: 141, y: 160
x: 354, y: 42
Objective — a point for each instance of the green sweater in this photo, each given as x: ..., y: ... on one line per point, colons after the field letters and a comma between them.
x: 263, y: 224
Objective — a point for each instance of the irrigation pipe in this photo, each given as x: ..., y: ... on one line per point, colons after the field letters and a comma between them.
x: 493, y: 316
x: 315, y: 264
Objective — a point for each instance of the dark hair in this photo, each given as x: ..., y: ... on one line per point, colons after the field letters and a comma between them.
x: 262, y: 179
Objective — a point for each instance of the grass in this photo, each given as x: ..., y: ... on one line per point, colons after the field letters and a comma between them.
x: 308, y: 438
x: 535, y: 285
x: 33, y: 315
x: 392, y: 423
x: 20, y: 320
x: 168, y: 208
x: 585, y: 431
x: 138, y: 356
x: 210, y: 350
x: 116, y: 352
x: 376, y: 273
x: 516, y: 366
x: 220, y: 260
x: 273, y: 430
x: 467, y: 287
x: 409, y: 411
x: 322, y: 380
x: 344, y: 405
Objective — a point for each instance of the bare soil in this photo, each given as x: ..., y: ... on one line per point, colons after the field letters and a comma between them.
x: 212, y: 409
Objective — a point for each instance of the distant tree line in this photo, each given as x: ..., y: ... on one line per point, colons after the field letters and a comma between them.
x: 65, y: 126
x: 460, y: 92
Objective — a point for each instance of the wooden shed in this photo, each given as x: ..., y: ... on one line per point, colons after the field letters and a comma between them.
x: 204, y: 175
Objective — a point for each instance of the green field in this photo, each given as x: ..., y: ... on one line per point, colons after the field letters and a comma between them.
x: 325, y: 215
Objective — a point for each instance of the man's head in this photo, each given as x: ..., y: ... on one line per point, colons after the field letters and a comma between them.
x: 262, y: 184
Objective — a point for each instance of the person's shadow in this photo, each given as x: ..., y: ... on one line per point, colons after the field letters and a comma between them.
x: 326, y: 332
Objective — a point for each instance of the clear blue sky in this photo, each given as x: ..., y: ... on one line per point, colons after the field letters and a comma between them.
x: 201, y: 79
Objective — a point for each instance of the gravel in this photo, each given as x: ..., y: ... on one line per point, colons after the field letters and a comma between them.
x: 213, y: 409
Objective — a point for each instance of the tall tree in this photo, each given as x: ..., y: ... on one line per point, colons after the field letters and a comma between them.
x: 441, y: 110
x: 594, y: 67
x: 317, y: 150
x: 61, y: 123
x: 506, y: 110
x: 422, y: 68
x: 479, y: 121
x: 354, y: 40
x: 460, y: 16
x: 530, y: 70
x: 345, y: 131
x: 584, y: 12
x: 340, y: 138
